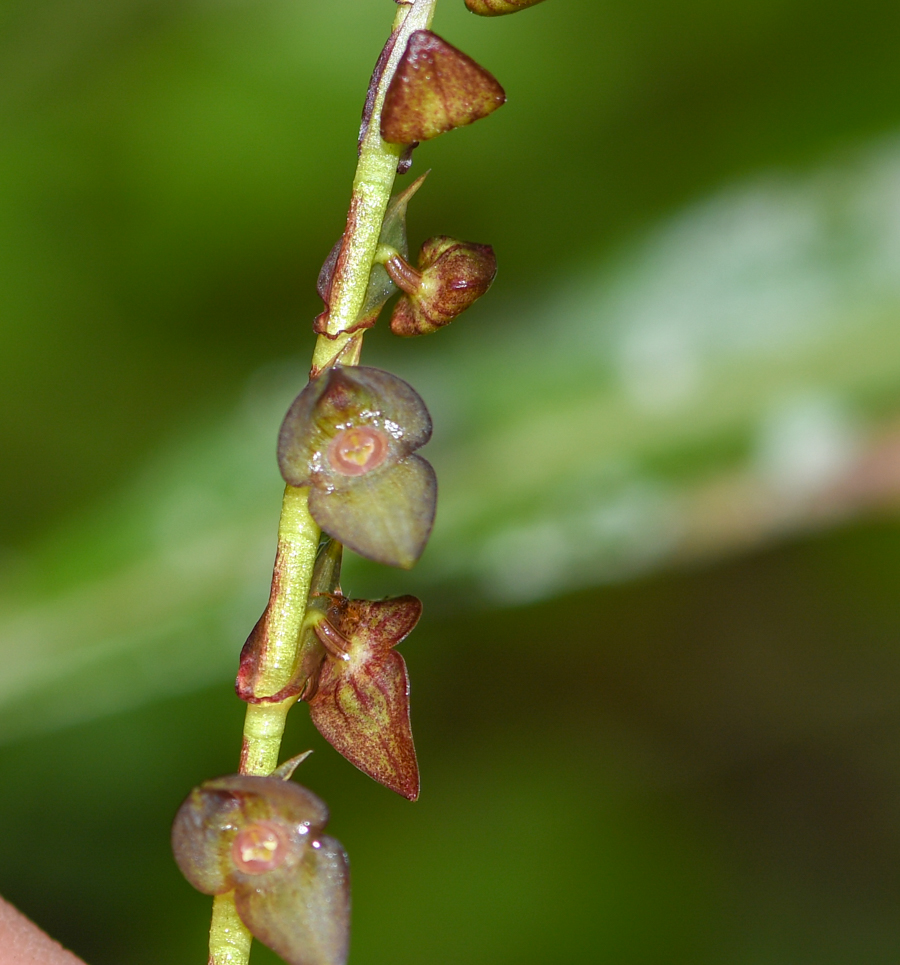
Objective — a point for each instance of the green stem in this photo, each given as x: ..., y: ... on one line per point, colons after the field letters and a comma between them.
x: 298, y: 534
x: 229, y: 940
x: 372, y: 186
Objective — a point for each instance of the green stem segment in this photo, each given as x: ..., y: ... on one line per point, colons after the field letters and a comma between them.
x: 298, y: 534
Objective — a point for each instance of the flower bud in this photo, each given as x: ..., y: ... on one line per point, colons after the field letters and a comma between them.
x: 452, y: 275
x: 496, y: 8
x: 434, y: 89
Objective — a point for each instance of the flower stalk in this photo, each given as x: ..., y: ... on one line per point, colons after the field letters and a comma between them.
x: 298, y: 533
x: 347, y: 451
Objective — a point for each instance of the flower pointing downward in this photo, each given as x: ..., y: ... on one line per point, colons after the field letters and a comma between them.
x: 361, y: 706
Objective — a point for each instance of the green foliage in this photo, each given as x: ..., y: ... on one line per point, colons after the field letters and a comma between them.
x: 695, y: 318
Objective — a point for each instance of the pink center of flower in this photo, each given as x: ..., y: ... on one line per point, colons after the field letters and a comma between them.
x: 354, y: 452
x: 260, y: 847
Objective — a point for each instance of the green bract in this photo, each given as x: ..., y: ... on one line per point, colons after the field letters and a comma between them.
x: 261, y: 837
x: 380, y: 286
x: 349, y: 436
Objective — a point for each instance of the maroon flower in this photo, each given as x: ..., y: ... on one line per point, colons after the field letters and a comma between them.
x: 451, y: 276
x: 495, y: 8
x: 361, y: 706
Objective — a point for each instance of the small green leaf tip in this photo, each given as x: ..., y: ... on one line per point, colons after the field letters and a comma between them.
x: 361, y: 706
x: 452, y: 275
x: 349, y: 436
x: 434, y: 89
x: 496, y: 8
x: 261, y: 837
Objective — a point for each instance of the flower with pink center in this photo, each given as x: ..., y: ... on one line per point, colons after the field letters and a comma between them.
x: 350, y: 436
x: 262, y: 838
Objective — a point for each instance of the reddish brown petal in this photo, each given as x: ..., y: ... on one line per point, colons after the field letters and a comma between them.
x: 452, y: 275
x: 332, y: 267
x: 252, y: 654
x: 326, y: 272
x: 436, y: 88
x: 377, y: 624
x: 303, y: 679
x: 372, y: 92
x: 495, y: 8
x: 362, y: 710
x: 325, y: 580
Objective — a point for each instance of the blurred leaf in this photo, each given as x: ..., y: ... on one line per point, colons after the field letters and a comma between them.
x: 172, y: 175
x: 691, y: 769
x: 734, y: 376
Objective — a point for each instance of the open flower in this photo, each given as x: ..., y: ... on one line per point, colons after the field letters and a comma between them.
x: 261, y: 837
x: 349, y: 436
x: 361, y: 705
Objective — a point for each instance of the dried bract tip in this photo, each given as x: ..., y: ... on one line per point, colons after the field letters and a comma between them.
x: 350, y: 435
x: 262, y: 837
x: 285, y: 770
x: 454, y: 274
x: 362, y: 704
x: 435, y: 88
x: 496, y: 8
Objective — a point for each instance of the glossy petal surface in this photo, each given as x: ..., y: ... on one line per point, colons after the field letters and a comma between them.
x: 385, y: 511
x: 261, y: 836
x: 362, y: 705
x: 454, y: 274
x: 202, y: 834
x: 436, y: 88
x: 386, y: 516
x: 306, y: 919
x: 213, y: 813
x: 341, y: 397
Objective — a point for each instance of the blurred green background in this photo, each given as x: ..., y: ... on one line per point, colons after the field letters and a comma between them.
x: 655, y: 690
